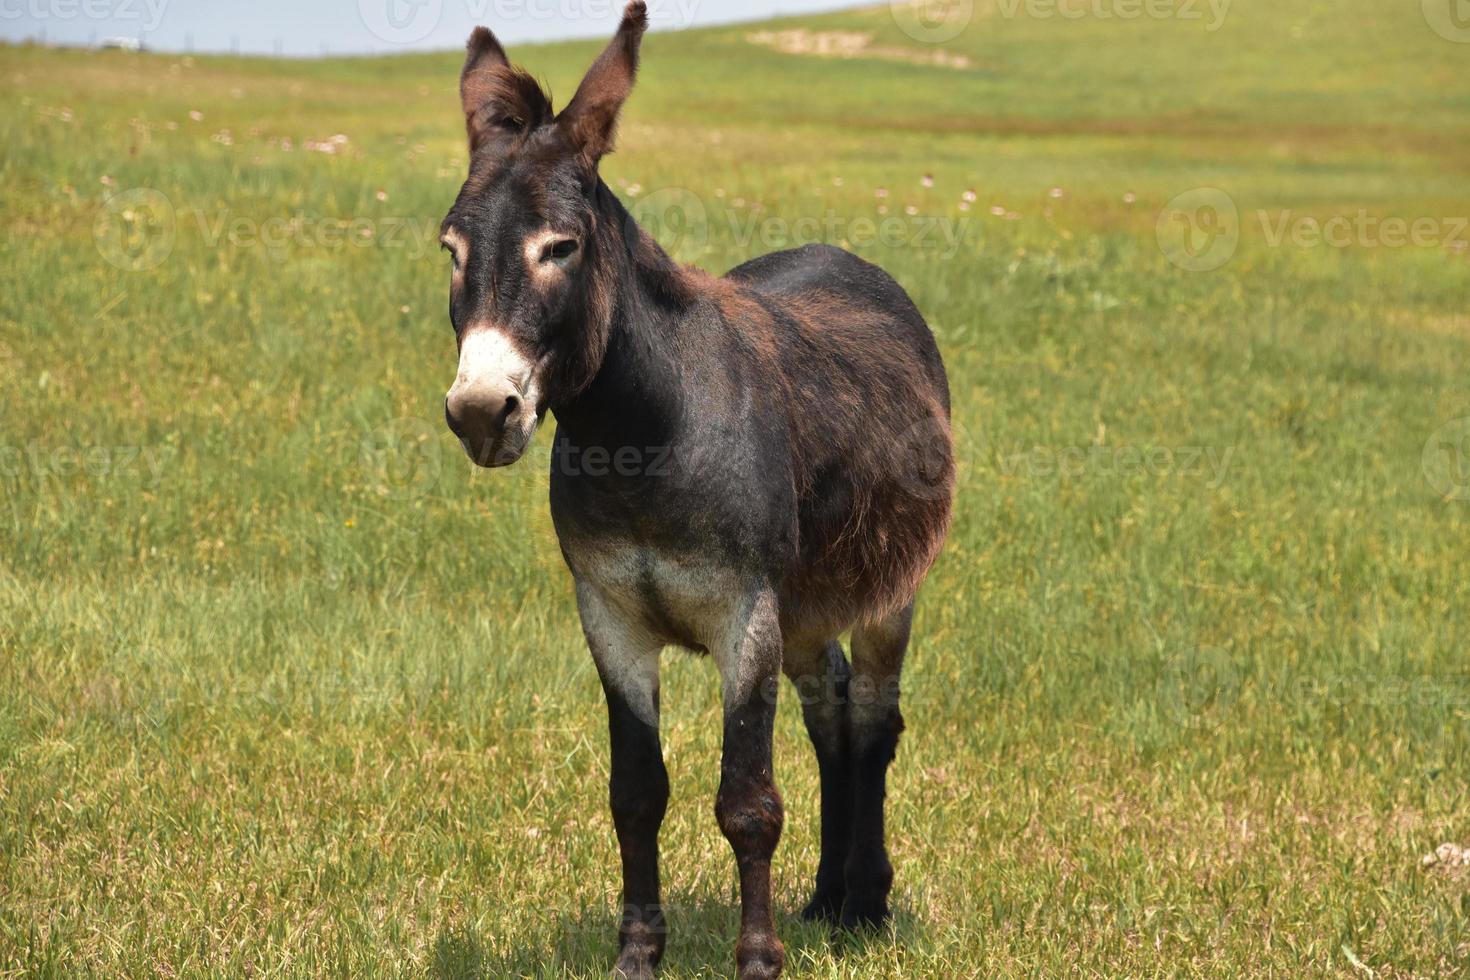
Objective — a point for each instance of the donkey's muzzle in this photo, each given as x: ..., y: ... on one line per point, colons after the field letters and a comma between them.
x: 489, y: 420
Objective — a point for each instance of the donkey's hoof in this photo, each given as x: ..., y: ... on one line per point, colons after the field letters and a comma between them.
x: 824, y: 907
x: 858, y: 914
x: 640, y: 953
x: 634, y: 964
x: 759, y: 956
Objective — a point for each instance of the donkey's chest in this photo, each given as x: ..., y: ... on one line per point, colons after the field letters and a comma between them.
x: 680, y: 597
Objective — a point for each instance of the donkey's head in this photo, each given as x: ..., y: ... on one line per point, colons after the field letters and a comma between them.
x: 529, y: 299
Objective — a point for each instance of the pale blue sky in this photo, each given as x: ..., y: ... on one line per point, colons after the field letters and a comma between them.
x: 312, y: 27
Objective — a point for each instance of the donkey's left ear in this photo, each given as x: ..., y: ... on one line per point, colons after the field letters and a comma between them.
x: 591, y: 118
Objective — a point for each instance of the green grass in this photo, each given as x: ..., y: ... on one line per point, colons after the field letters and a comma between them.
x: 288, y: 688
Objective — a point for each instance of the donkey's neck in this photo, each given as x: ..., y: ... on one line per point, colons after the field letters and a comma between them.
x: 634, y: 399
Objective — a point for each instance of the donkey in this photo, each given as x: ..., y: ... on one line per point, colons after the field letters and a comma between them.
x: 747, y: 466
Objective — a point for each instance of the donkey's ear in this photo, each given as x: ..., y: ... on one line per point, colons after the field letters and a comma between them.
x: 591, y: 118
x: 499, y: 99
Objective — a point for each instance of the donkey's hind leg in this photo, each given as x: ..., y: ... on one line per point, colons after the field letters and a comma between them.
x: 874, y: 723
x: 820, y: 674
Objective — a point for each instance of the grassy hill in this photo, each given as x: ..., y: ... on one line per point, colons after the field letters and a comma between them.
x: 286, y: 687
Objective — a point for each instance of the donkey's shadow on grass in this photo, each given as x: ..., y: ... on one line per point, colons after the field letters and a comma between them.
x: 702, y: 929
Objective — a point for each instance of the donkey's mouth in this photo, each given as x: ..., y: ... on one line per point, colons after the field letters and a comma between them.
x: 501, y: 450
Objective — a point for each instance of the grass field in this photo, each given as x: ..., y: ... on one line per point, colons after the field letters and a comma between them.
x: 288, y: 689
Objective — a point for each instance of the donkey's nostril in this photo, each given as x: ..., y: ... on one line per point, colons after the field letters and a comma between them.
x: 512, y: 403
x: 451, y: 421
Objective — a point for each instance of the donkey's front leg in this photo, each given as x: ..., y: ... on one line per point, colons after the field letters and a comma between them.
x: 748, y: 805
x: 627, y: 661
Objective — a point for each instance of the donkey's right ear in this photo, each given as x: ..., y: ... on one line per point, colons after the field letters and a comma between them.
x: 498, y: 98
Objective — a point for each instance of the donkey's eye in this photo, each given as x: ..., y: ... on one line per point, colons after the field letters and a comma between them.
x: 453, y: 255
x: 560, y: 251
x: 512, y: 123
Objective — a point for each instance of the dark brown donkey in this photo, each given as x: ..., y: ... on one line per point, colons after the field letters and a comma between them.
x: 747, y: 466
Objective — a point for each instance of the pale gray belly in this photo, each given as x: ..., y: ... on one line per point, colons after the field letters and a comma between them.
x: 683, y: 599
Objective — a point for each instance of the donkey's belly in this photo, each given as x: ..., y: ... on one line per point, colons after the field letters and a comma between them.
x: 682, y: 599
